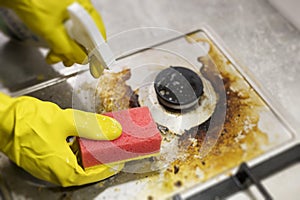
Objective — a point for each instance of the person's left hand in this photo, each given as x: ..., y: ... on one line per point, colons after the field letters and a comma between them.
x: 46, y: 19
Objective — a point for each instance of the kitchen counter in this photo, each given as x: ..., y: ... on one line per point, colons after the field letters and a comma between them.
x: 254, y: 32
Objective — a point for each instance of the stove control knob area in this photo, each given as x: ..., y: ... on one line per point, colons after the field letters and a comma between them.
x: 178, y: 88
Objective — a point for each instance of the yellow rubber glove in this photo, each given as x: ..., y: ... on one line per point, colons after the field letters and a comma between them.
x: 46, y: 19
x: 33, y: 135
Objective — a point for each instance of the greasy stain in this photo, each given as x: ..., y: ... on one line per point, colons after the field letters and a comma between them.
x: 239, y: 139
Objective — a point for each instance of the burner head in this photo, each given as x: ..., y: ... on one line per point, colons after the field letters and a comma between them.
x: 178, y: 88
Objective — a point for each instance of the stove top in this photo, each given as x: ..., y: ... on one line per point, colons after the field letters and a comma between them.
x: 239, y: 146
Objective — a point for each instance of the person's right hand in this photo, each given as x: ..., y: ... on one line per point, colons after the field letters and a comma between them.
x: 46, y: 19
x: 33, y: 135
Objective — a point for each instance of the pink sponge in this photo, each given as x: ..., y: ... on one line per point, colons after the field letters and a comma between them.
x: 140, y: 138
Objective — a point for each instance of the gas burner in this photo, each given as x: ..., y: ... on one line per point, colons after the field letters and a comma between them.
x: 161, y: 92
x: 178, y: 88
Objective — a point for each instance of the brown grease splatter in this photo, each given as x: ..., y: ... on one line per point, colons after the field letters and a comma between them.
x: 240, y: 139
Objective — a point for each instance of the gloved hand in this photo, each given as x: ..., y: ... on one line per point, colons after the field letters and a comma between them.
x: 46, y: 19
x: 33, y: 135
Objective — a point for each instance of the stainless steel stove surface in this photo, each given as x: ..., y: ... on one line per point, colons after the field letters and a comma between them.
x: 255, y: 152
x: 225, y: 148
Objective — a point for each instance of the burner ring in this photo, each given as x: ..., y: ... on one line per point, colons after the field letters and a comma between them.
x: 178, y: 88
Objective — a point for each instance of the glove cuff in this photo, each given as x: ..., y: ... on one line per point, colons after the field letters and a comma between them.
x: 5, y: 102
x: 6, y: 118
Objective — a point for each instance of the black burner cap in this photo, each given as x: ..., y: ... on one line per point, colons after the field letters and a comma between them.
x: 178, y: 88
